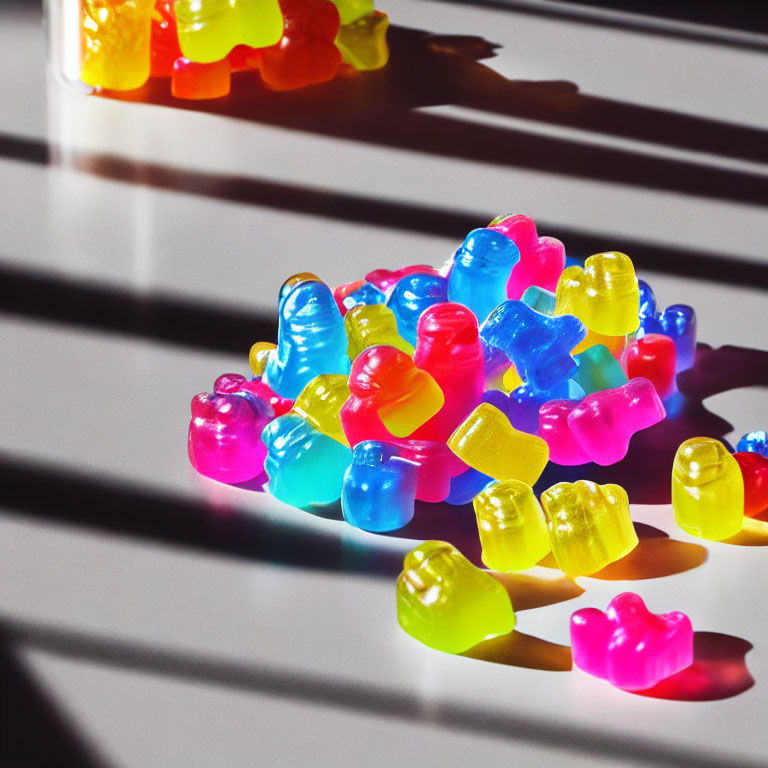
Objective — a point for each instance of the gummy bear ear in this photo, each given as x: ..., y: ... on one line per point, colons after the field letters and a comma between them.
x: 229, y: 409
x: 228, y: 383
x: 203, y: 406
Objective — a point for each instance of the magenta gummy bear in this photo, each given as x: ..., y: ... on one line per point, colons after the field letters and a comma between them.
x: 604, y: 422
x: 554, y: 429
x: 542, y: 259
x: 628, y: 645
x: 225, y: 435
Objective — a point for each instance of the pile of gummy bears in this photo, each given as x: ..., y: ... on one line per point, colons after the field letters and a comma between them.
x: 200, y: 43
x: 459, y: 385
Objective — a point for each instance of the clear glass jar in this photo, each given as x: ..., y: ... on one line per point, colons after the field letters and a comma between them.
x: 117, y: 45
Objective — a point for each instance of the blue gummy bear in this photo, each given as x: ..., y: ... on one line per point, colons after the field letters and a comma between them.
x: 411, y: 295
x: 367, y: 293
x: 598, y: 370
x: 310, y: 339
x: 480, y: 271
x: 540, y: 299
x: 304, y: 465
x: 754, y: 442
x: 379, y: 490
x: 538, y: 346
x: 466, y: 486
x: 678, y: 321
x: 525, y: 401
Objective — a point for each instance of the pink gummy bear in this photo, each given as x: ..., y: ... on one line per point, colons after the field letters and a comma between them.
x: 542, y: 259
x: 229, y: 383
x: 386, y: 279
x: 225, y: 435
x: 604, y: 422
x: 628, y: 645
x: 448, y: 347
x: 437, y: 466
x: 564, y: 448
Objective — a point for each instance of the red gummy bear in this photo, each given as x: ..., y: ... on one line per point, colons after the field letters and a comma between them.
x: 653, y: 357
x: 165, y: 41
x: 449, y: 349
x: 754, y: 470
x: 306, y: 54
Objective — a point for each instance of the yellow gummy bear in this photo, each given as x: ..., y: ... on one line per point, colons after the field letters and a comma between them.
x: 209, y: 29
x: 512, y: 527
x: 589, y: 525
x: 707, y: 489
x: 116, y: 43
x: 490, y: 444
x: 363, y: 43
x: 604, y: 295
x: 447, y: 603
x: 257, y: 357
x: 320, y: 402
x: 352, y: 10
x: 511, y: 379
x: 372, y: 325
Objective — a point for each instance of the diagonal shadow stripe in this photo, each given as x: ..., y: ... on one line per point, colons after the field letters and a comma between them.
x: 359, y: 697
x: 49, y: 493
x: 657, y: 19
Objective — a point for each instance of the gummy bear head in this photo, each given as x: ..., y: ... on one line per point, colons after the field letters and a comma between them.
x: 449, y: 325
x: 307, y: 311
x: 487, y: 249
x: 700, y: 461
x: 383, y: 373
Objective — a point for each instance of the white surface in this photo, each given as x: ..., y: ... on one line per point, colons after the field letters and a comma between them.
x: 168, y: 655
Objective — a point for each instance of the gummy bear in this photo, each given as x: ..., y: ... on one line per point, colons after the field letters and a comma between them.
x: 628, y: 645
x: 677, y: 321
x: 116, y: 43
x: 604, y: 295
x: 389, y: 397
x: 598, y: 370
x: 654, y: 357
x: 447, y: 603
x: 386, y: 279
x: 604, y: 422
x: 363, y: 42
x: 304, y: 465
x: 372, y: 325
x: 589, y: 525
x: 191, y: 80
x: 320, y: 402
x: 224, y: 435
x: 352, y: 10
x: 411, y: 295
x: 564, y: 447
x: 209, y: 29
x: 542, y: 259
x: 512, y: 527
x: 481, y: 269
x: 754, y: 442
x: 310, y: 338
x: 538, y: 346
x: 449, y: 349
x: 306, y: 53
x: 491, y: 445
x: 165, y: 41
x: 356, y: 294
x: 379, y: 490
x: 707, y: 489
x: 540, y: 299
x: 754, y: 473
